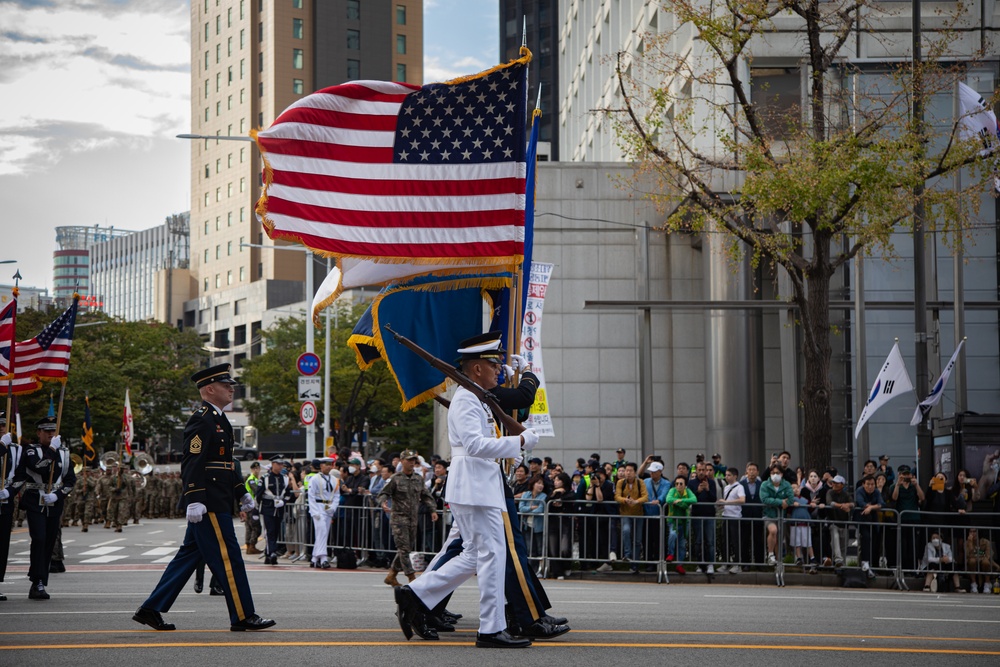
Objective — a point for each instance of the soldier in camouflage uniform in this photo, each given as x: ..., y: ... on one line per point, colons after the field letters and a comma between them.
x: 173, y: 495
x: 84, y: 499
x: 116, y: 496
x: 141, y: 497
x: 406, y: 490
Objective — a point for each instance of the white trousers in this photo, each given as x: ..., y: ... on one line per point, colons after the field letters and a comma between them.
x: 321, y: 529
x: 484, y: 553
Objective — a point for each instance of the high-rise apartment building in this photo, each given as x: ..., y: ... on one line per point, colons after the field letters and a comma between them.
x: 251, y: 59
x: 538, y: 22
x: 71, y: 273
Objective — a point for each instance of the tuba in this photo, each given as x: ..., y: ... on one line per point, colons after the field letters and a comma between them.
x: 143, y: 464
x: 77, y: 463
x: 139, y: 479
x: 108, y: 460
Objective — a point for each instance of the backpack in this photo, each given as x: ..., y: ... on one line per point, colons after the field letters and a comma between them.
x: 851, y: 578
x: 346, y: 560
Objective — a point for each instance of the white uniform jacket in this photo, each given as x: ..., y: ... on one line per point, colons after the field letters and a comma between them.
x: 324, y: 495
x: 474, y: 476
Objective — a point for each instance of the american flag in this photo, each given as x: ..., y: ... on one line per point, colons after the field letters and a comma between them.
x: 7, y: 320
x: 432, y: 174
x: 44, y: 357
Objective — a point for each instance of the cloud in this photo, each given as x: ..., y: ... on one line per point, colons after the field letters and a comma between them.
x: 101, y: 54
x: 38, y: 146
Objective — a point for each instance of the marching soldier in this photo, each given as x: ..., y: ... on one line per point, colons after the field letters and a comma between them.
x: 50, y: 478
x: 10, y: 484
x: 85, y: 499
x: 211, y: 486
x: 406, y: 490
x: 141, y: 497
x: 324, y: 499
x: 173, y: 495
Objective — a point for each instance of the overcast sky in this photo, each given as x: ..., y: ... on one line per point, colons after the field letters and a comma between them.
x: 91, y: 101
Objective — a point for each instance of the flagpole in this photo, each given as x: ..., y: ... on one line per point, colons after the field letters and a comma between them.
x: 958, y: 293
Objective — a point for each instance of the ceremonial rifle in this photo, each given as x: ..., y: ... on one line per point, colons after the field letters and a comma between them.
x: 512, y: 426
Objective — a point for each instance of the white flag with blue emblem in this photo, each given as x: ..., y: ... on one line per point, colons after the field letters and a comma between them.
x: 934, y: 397
x: 892, y: 381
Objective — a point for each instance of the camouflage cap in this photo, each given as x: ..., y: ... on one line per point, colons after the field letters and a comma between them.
x: 409, y: 454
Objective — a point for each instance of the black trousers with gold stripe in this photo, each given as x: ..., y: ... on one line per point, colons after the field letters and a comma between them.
x: 214, y: 540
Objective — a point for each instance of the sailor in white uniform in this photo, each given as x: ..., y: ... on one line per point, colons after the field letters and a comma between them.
x: 476, y: 497
x: 324, y: 499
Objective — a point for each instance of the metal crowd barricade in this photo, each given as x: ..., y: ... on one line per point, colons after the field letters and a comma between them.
x: 916, y: 529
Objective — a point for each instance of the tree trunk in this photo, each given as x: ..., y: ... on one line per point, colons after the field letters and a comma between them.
x: 817, y: 391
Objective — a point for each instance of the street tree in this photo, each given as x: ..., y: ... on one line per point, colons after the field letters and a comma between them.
x: 785, y: 182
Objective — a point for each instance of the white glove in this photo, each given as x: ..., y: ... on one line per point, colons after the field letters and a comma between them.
x: 246, y: 503
x: 5, y: 439
x: 195, y: 511
x: 56, y: 442
x: 4, y: 494
x: 519, y: 363
x: 518, y: 460
x: 49, y: 498
x: 508, y: 372
x: 530, y: 440
x: 278, y: 503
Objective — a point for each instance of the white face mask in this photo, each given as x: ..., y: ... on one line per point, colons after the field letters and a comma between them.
x: 936, y: 542
x: 776, y: 478
x: 352, y: 469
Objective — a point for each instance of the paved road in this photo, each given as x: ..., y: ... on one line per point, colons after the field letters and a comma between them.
x: 345, y: 617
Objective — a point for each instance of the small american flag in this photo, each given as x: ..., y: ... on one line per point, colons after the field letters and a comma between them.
x: 432, y: 174
x: 44, y: 357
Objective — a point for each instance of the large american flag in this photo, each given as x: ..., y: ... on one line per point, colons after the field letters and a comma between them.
x: 432, y: 174
x: 44, y: 357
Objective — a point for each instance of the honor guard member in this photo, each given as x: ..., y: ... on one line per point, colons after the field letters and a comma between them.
x: 49, y: 479
x: 273, y: 492
x: 476, y: 497
x: 10, y: 484
x: 527, y: 602
x: 406, y: 490
x: 324, y: 499
x: 211, y: 486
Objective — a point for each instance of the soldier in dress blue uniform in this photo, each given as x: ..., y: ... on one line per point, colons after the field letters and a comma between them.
x: 211, y: 486
x: 10, y: 457
x: 49, y: 478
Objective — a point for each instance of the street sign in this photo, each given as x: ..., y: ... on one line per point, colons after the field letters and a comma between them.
x: 308, y: 363
x: 307, y: 413
x: 310, y: 388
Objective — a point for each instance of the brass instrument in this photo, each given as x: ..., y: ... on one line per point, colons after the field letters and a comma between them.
x: 139, y: 478
x: 109, y: 460
x: 142, y: 463
x: 77, y: 463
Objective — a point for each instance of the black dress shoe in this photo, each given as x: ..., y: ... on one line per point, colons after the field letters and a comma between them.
x: 37, y: 592
x: 403, y: 613
x: 439, y: 624
x: 3, y: 598
x: 152, y: 619
x: 199, y: 586
x: 215, y: 590
x: 325, y: 565
x: 56, y: 566
x: 554, y: 620
x: 254, y: 622
x: 542, y: 629
x: 449, y: 614
x: 412, y: 614
x: 500, y: 640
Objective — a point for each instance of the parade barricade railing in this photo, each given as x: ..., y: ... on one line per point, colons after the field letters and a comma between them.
x: 916, y: 528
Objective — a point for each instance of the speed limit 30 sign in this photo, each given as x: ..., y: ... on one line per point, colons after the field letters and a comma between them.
x: 307, y: 413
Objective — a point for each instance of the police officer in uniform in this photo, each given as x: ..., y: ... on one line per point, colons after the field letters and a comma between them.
x: 49, y: 476
x: 406, y: 490
x: 211, y: 486
x: 10, y: 459
x: 273, y: 491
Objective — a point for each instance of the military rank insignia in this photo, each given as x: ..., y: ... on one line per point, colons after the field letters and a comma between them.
x: 196, y: 444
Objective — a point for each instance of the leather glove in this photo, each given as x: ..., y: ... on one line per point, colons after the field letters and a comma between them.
x: 530, y: 440
x: 49, y: 498
x: 246, y: 503
x: 5, y: 439
x: 278, y: 503
x: 4, y: 494
x: 56, y: 442
x: 519, y: 363
x: 195, y: 511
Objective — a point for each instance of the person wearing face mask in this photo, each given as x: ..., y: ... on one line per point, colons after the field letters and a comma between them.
x: 776, y: 496
x: 273, y: 492
x: 353, y: 489
x: 939, y: 560
x: 938, y: 506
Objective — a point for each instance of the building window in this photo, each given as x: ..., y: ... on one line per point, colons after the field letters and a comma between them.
x: 353, y: 70
x: 229, y: 277
x: 776, y: 95
x: 206, y: 114
x: 241, y: 158
x: 229, y: 190
x: 206, y: 89
x: 260, y: 61
x: 242, y: 216
x: 297, y: 28
x: 354, y: 39
x: 260, y: 119
x: 206, y: 256
x: 206, y: 32
x: 243, y: 124
x: 218, y: 53
x: 218, y: 197
x: 260, y: 32
x: 242, y: 98
x: 207, y: 174
x: 243, y: 68
x: 242, y: 2
x: 218, y: 108
x: 218, y: 165
x: 229, y: 46
x: 400, y: 43
x: 260, y: 89
x: 354, y: 10
x: 206, y: 61
x: 400, y: 14
x: 229, y: 17
x: 218, y: 25
x: 218, y: 81
x: 296, y: 4
x: 206, y: 228
x: 229, y: 104
x: 243, y: 184
x: 206, y: 285
x: 243, y: 37
x: 241, y: 274
x: 206, y: 200
x: 297, y: 58
x: 401, y: 72
x: 218, y: 252
x: 218, y: 223
x: 241, y: 244
x: 218, y: 282
x: 260, y: 270
x: 229, y: 75
x: 297, y: 86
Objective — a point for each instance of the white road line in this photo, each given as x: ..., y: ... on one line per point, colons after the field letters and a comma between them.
x: 932, y: 620
x: 160, y: 551
x: 103, y: 544
x: 608, y: 602
x: 103, y: 559
x: 154, y: 532
x: 101, y: 551
x: 59, y: 613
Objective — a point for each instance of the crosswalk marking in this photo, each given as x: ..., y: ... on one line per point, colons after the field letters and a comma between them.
x: 160, y: 551
x: 103, y: 559
x: 101, y: 551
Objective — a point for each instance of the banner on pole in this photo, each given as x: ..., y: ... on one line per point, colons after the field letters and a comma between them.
x: 531, y: 346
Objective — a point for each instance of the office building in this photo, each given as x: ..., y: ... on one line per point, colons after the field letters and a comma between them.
x: 71, y: 271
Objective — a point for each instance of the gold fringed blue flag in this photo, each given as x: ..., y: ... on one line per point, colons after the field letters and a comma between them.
x: 434, y: 312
